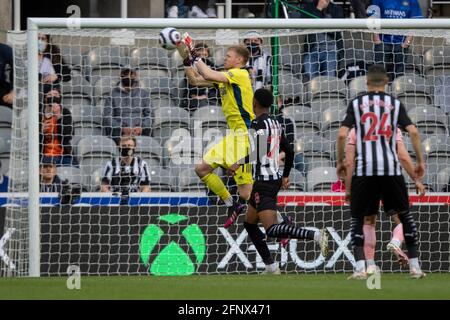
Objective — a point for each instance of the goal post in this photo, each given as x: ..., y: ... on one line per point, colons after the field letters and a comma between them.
x: 281, y: 27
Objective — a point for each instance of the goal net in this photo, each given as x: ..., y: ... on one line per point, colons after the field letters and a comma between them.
x: 97, y: 85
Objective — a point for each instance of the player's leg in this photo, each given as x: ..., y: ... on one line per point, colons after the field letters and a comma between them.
x: 212, y: 159
x: 266, y: 196
x: 370, y: 241
x: 395, y: 245
x: 396, y: 199
x: 259, y: 239
x: 364, y: 201
x: 236, y: 148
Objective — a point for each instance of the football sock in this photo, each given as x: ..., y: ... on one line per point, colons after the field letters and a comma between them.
x: 259, y: 240
x: 215, y: 184
x: 370, y: 241
x: 410, y: 233
x: 284, y: 231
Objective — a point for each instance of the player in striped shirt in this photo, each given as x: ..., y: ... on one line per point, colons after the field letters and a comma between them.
x: 377, y: 176
x: 266, y: 140
x: 397, y: 239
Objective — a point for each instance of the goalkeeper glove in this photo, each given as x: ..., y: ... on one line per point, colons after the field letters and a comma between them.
x: 189, y: 42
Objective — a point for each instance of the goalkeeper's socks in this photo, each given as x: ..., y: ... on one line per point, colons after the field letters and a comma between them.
x: 216, y: 185
x: 283, y: 231
x: 259, y: 240
x: 360, y: 266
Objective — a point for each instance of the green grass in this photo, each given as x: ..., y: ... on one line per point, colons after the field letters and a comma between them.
x: 393, y: 286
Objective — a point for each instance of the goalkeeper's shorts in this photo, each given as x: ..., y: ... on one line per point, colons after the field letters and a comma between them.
x: 227, y: 152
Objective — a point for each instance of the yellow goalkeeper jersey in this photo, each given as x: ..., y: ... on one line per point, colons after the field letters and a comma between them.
x: 237, y: 99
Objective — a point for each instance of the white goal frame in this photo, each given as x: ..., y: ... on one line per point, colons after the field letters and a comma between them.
x: 35, y: 24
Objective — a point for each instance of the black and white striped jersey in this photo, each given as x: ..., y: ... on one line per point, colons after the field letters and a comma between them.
x: 267, y: 138
x: 376, y: 116
x: 123, y: 178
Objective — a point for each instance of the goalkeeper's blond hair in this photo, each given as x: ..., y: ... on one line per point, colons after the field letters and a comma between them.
x: 242, y: 51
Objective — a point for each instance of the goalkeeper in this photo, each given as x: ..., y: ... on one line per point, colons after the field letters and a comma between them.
x: 236, y: 92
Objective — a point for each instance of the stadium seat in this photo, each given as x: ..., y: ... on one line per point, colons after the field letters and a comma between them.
x: 437, y: 150
x: 168, y: 119
x: 442, y: 93
x: 72, y: 174
x: 96, y: 146
x: 76, y: 87
x: 105, y: 62
x: 5, y: 146
x: 188, y: 181
x: 442, y: 179
x: 159, y: 86
x: 315, y: 150
x: 144, y: 58
x: 74, y: 55
x: 5, y: 165
x: 321, y: 179
x: 429, y: 120
x: 331, y: 121
x: 149, y: 148
x: 209, y: 117
x: 90, y: 165
x: 6, y: 116
x: 87, y: 121
x: 92, y: 180
x: 290, y: 87
x: 103, y: 87
x: 436, y: 62
x: 412, y: 90
x: 297, y: 181
x: 160, y: 180
x: 154, y: 72
x: 320, y: 105
x: 323, y: 88
x: 304, y: 118
x: 358, y: 86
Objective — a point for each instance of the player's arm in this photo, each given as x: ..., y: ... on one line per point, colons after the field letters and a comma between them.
x: 194, y: 78
x: 286, y: 147
x: 407, y: 164
x: 405, y: 122
x: 209, y: 74
x: 350, y: 153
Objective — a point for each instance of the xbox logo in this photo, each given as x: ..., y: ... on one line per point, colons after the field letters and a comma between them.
x: 172, y: 260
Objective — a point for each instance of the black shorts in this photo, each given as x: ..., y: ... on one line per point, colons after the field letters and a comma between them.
x: 367, y: 192
x: 265, y: 195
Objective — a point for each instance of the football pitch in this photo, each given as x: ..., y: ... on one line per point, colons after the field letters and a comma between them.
x: 251, y: 287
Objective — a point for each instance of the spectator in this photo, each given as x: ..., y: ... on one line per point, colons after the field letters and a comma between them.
x: 392, y: 50
x: 127, y: 172
x: 4, y: 180
x: 196, y: 97
x: 259, y: 62
x: 52, y: 68
x: 50, y: 182
x: 56, y: 130
x: 128, y: 111
x: 321, y: 49
x: 177, y: 8
x: 6, y: 85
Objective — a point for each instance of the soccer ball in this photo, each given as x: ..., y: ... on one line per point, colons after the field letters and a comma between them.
x: 169, y: 37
